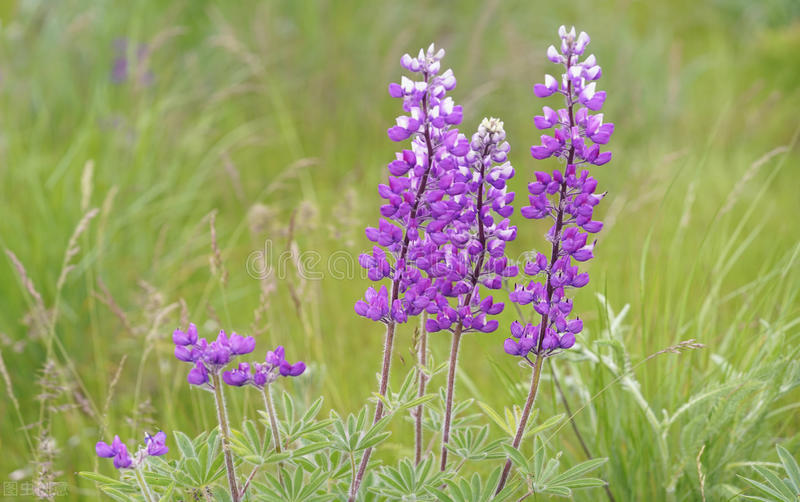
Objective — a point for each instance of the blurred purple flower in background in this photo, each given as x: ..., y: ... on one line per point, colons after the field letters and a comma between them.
x: 124, y: 67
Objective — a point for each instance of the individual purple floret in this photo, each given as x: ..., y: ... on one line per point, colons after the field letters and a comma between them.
x: 568, y: 197
x: 262, y: 374
x: 209, y: 357
x: 154, y: 446
x: 116, y: 450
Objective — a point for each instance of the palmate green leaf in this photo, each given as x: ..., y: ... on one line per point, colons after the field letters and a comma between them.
x: 578, y: 470
x: 185, y: 444
x: 309, y: 448
x: 167, y: 495
x: 550, y: 468
x: 116, y: 494
x: 157, y: 477
x: 474, y: 489
x: 791, y: 467
x: 496, y: 418
x: 766, y: 489
x: 579, y: 483
x: 775, y: 482
x: 99, y: 478
x: 547, y: 424
x: 470, y: 443
x: 407, y: 481
x: 561, y: 491
x: 518, y: 459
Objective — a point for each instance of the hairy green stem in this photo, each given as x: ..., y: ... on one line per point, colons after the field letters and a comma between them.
x: 146, y: 493
x: 451, y: 384
x: 422, y: 357
x: 222, y: 418
x: 384, y: 385
x: 523, y: 421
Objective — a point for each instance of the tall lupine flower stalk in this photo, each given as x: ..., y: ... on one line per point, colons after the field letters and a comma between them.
x: 474, y: 254
x: 417, y: 177
x: 209, y: 360
x: 568, y: 198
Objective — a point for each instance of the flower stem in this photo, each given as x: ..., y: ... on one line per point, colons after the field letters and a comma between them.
x: 273, y: 420
x: 523, y: 421
x: 451, y: 384
x: 476, y: 274
x: 146, y: 493
x: 384, y: 384
x: 222, y: 418
x: 422, y: 357
x: 276, y: 435
x: 574, y: 425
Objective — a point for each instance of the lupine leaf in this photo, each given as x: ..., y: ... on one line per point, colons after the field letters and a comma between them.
x: 578, y: 470
x: 791, y: 467
x: 184, y: 444
x: 775, y: 482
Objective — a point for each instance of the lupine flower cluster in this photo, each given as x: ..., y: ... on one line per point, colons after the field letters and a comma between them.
x: 262, y: 374
x: 209, y: 357
x: 576, y: 140
x: 420, y: 177
x: 476, y: 231
x: 154, y: 446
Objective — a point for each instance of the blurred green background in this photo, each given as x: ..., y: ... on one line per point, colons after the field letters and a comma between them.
x: 272, y: 116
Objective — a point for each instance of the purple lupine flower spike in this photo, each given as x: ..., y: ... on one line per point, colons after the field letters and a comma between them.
x: 473, y: 230
x: 419, y: 178
x: 576, y: 140
x: 568, y: 197
x: 476, y: 234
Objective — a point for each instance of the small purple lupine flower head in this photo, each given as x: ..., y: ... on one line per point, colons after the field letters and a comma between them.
x: 198, y: 375
x: 263, y: 374
x: 239, y: 376
x: 568, y: 197
x: 209, y: 358
x: 156, y: 445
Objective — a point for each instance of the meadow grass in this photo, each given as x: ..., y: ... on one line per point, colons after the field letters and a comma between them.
x: 271, y: 117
